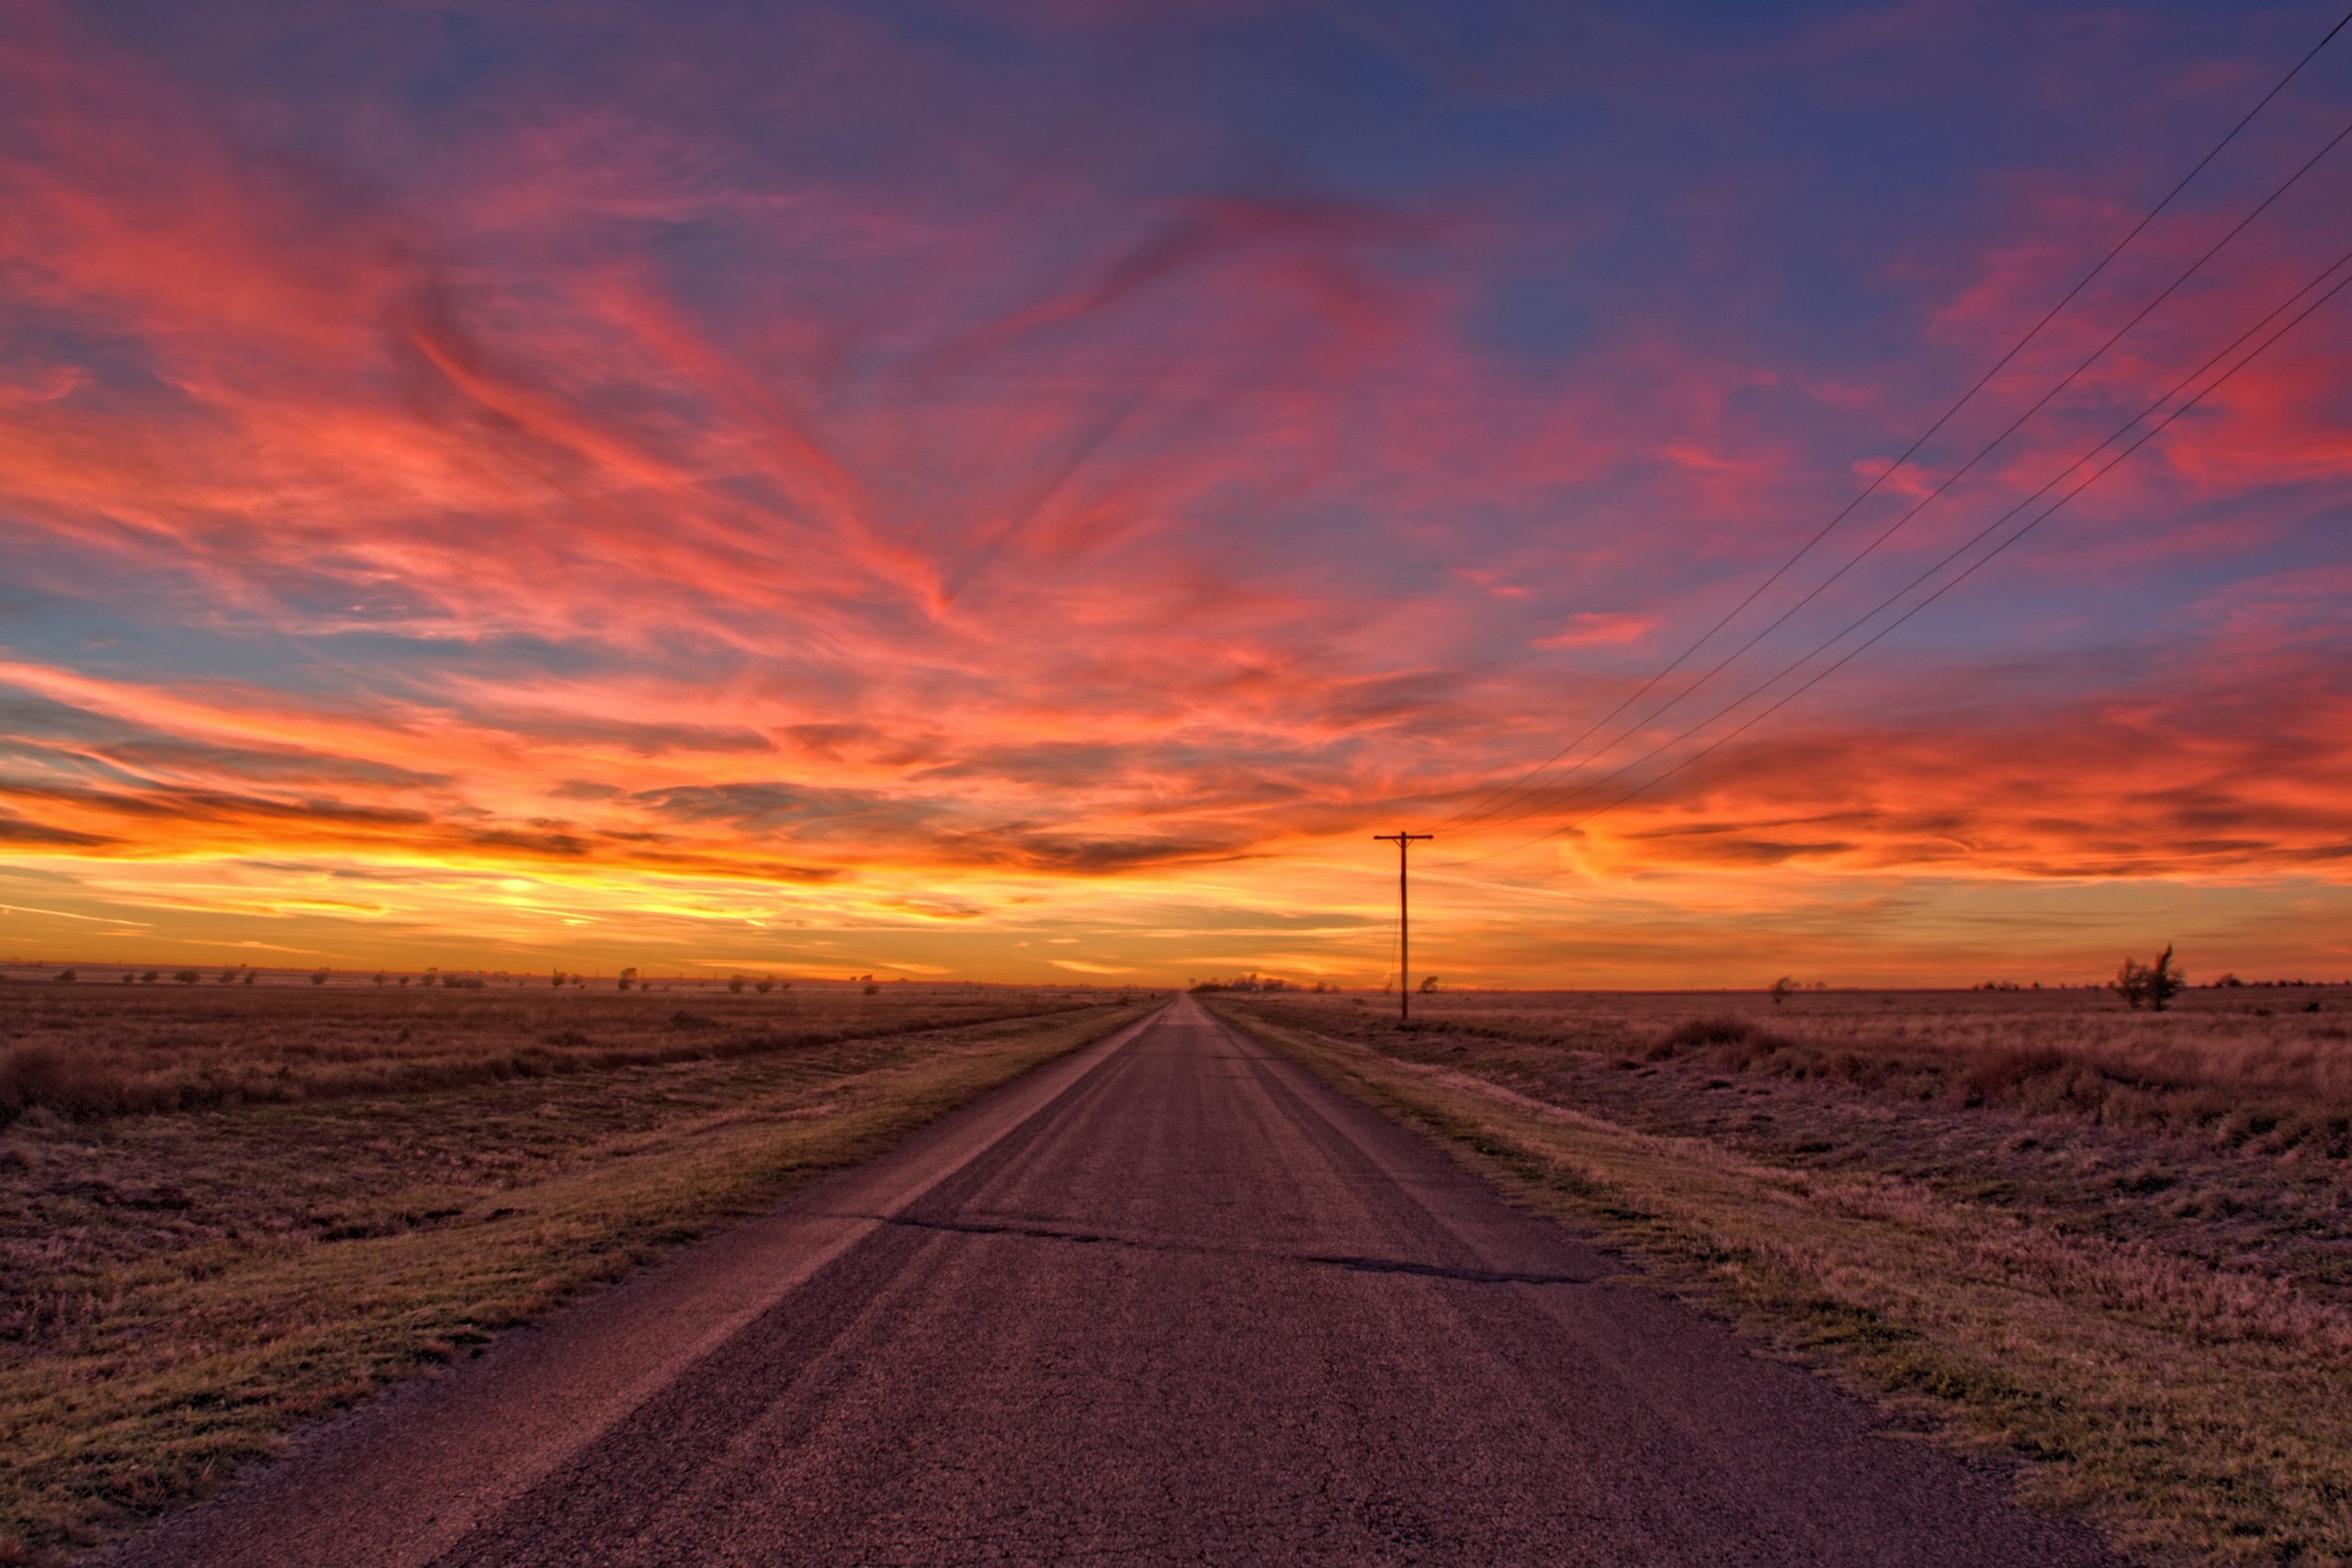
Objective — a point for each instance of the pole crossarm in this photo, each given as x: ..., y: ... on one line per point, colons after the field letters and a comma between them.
x: 1403, y: 840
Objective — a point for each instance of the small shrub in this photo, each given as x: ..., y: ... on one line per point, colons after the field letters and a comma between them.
x: 2000, y: 1075
x: 42, y: 1076
x: 188, y: 976
x: 1723, y: 1031
x: 2151, y: 985
x: 67, y: 977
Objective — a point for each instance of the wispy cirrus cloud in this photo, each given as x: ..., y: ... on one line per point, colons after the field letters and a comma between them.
x: 870, y: 469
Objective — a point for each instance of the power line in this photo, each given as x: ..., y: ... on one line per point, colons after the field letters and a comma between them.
x: 2097, y: 473
x: 1982, y: 452
x: 1953, y: 478
x: 1486, y: 805
x: 1979, y: 537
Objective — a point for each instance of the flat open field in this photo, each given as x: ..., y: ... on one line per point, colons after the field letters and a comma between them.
x: 2117, y: 1245
x: 227, y: 1209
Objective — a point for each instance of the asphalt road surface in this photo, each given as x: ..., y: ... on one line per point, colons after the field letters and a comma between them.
x: 1170, y: 1301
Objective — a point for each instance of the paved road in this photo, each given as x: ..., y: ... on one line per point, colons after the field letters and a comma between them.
x: 1171, y: 1301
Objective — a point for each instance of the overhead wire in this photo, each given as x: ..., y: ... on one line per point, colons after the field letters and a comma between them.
x: 1486, y: 805
x: 2339, y: 264
x: 1937, y: 493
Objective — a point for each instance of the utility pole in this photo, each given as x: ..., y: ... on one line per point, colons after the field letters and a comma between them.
x: 1403, y: 929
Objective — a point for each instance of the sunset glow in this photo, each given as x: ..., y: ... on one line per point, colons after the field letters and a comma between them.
x: 1026, y: 492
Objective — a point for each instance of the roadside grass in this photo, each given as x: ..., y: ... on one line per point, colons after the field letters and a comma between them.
x: 183, y: 1289
x: 2263, y: 1064
x: 2012, y: 1278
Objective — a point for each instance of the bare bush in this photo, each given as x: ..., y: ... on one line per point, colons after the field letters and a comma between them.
x: 2152, y: 985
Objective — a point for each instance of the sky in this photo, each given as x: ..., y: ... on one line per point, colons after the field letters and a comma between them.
x: 1025, y: 491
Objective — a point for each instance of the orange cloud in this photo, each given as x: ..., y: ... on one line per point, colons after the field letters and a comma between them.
x: 643, y: 514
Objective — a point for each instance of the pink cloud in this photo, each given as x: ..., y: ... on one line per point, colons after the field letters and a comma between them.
x: 1595, y: 629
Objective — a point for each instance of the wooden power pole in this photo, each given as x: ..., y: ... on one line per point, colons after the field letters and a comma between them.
x: 1404, y: 927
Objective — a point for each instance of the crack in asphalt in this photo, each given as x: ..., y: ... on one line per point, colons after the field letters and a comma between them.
x: 1462, y: 1273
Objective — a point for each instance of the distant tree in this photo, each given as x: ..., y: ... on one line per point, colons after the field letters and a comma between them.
x: 872, y: 989
x: 432, y: 976
x: 736, y: 985
x: 1779, y: 990
x: 248, y: 977
x: 557, y: 978
x: 1428, y: 985
x: 68, y: 975
x: 228, y: 976
x: 188, y: 976
x: 2229, y: 980
x: 406, y: 978
x: 150, y: 977
x: 381, y: 977
x: 319, y: 977
x: 628, y: 976
x: 764, y: 987
x: 2152, y: 985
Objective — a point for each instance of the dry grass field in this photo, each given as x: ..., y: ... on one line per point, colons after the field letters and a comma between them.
x: 225, y: 1210
x: 99, y: 1047
x: 2116, y: 1244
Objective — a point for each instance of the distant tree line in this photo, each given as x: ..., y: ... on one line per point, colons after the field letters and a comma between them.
x: 1253, y: 981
